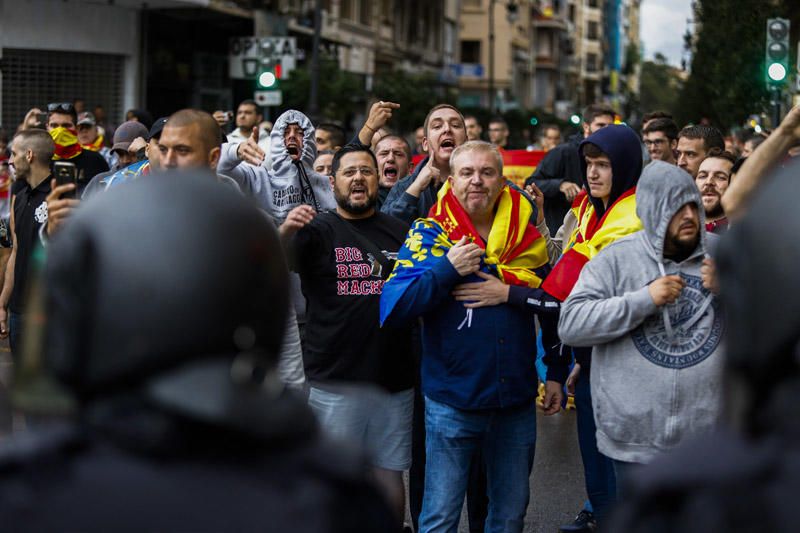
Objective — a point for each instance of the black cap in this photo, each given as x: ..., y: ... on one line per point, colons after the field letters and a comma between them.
x: 158, y: 125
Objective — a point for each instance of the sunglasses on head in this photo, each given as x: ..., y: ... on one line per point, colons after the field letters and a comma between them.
x: 64, y: 107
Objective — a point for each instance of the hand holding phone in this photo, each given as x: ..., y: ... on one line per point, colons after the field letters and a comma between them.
x: 66, y: 173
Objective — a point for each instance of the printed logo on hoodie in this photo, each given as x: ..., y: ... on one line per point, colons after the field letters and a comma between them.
x: 694, y: 331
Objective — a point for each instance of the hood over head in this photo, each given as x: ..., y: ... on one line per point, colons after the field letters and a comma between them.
x: 622, y: 146
x: 757, y: 263
x: 663, y: 189
x: 281, y: 160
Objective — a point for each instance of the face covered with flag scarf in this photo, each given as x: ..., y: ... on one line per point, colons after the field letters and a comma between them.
x: 476, y: 180
x: 61, y: 127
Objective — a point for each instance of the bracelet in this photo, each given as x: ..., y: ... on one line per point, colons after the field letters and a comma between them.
x: 370, y: 129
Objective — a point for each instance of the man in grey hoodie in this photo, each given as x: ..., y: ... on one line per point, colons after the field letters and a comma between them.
x: 289, y: 181
x: 656, y: 332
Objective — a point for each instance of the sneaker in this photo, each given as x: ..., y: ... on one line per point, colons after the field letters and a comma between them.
x: 583, y: 523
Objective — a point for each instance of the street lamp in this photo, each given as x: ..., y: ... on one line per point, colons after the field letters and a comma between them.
x: 512, y: 15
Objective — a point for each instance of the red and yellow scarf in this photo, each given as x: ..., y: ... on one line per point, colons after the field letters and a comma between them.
x: 590, y: 236
x: 67, y: 146
x: 94, y: 146
x: 514, y: 247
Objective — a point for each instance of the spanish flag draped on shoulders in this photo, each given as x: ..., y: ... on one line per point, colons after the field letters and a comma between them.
x: 515, y: 251
x: 482, y: 357
x: 599, y: 224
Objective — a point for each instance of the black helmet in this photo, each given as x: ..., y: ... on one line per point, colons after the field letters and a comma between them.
x: 150, y: 279
x: 757, y: 261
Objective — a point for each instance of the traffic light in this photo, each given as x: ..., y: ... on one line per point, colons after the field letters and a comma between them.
x: 269, y: 75
x: 534, y: 121
x: 575, y: 119
x: 777, y: 51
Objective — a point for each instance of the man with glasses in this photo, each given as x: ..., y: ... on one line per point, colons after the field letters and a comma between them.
x: 61, y: 125
x: 361, y: 375
x: 661, y: 139
x: 498, y: 133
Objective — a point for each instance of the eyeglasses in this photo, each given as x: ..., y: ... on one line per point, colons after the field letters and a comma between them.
x: 65, y: 107
x: 655, y: 142
x: 365, y: 171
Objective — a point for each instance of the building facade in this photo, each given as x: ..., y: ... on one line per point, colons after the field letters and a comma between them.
x: 495, y: 53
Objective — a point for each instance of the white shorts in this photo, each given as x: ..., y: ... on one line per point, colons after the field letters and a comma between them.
x: 369, y: 417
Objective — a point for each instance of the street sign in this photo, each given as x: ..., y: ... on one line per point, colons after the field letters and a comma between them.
x: 268, y: 98
x: 472, y: 70
x: 246, y: 53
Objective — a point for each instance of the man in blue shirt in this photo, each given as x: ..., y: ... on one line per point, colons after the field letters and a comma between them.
x: 472, y: 271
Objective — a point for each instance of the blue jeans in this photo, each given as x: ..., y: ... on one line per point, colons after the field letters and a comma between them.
x: 452, y: 435
x: 623, y: 471
x: 598, y: 471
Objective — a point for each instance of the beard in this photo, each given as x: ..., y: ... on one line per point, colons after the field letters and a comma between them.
x: 679, y: 249
x: 343, y: 201
x: 714, y: 211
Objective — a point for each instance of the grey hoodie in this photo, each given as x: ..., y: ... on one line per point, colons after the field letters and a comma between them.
x: 656, y: 372
x: 279, y: 188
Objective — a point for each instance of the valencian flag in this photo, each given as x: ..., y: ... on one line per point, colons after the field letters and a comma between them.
x: 518, y: 165
x: 592, y: 235
x: 67, y: 146
x: 513, y: 251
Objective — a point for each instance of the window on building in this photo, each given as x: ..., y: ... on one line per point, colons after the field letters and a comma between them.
x: 592, y: 30
x: 572, y: 13
x: 592, y: 3
x: 366, y: 13
x: 591, y: 62
x: 347, y: 9
x: 470, y: 51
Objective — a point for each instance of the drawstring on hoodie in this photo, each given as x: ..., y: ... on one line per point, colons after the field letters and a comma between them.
x: 467, y: 320
x: 305, y: 184
x: 665, y: 311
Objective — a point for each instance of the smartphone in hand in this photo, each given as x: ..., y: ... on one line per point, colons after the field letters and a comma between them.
x: 65, y: 172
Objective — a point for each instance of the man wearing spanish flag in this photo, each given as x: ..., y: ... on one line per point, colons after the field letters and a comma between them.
x: 471, y: 270
x: 604, y: 212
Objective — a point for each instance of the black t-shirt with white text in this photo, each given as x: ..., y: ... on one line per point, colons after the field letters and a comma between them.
x: 342, y: 282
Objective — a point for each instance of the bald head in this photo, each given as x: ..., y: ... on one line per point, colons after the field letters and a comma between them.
x: 191, y: 139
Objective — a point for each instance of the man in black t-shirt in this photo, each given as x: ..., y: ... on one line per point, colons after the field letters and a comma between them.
x: 361, y: 375
x: 30, y: 158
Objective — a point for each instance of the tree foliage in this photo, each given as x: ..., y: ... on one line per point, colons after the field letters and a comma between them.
x: 340, y: 93
x: 660, y: 86
x: 727, y: 81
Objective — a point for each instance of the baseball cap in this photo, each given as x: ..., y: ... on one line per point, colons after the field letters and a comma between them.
x: 126, y: 133
x: 158, y: 125
x: 87, y: 118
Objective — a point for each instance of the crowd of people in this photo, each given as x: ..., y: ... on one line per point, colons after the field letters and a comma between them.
x: 401, y: 304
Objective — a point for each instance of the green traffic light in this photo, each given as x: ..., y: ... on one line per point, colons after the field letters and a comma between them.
x: 534, y: 121
x: 267, y: 79
x: 575, y: 119
x: 776, y: 72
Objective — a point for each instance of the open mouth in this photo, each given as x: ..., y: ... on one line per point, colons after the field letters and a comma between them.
x: 390, y: 172
x: 293, y: 149
x: 358, y: 191
x: 448, y: 144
